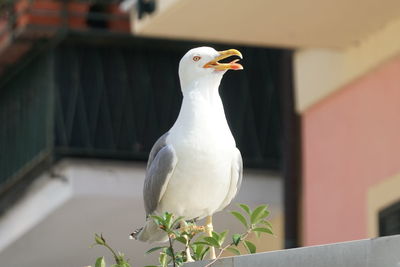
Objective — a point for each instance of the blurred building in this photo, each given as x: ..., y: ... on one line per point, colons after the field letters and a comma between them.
x: 85, y: 90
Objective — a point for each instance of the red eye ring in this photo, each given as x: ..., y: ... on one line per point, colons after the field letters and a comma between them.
x: 196, y: 58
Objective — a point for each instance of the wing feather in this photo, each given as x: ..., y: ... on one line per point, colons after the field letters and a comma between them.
x: 160, y: 166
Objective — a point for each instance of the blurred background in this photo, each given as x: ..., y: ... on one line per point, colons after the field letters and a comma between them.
x: 86, y: 87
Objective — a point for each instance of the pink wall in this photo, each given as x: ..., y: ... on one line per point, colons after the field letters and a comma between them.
x: 351, y: 140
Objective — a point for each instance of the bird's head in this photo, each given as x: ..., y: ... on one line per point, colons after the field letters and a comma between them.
x: 203, y: 63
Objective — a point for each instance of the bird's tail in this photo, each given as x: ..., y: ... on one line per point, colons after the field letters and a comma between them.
x: 150, y: 232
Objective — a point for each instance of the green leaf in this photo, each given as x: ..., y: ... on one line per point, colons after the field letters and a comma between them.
x: 222, y: 237
x: 181, y: 239
x: 240, y: 217
x: 236, y: 238
x: 120, y: 257
x: 250, y: 246
x: 204, y: 253
x: 99, y: 239
x: 153, y: 249
x: 264, y: 230
x: 163, y: 259
x: 199, y: 250
x: 100, y: 262
x: 267, y: 223
x: 196, y: 250
x: 211, y: 241
x: 177, y: 221
x: 168, y: 220
x: 234, y: 250
x: 157, y: 219
x: 245, y: 208
x: 151, y: 266
x: 169, y: 252
x: 257, y: 214
x: 215, y: 235
x: 201, y: 243
x: 265, y: 214
x: 179, y: 260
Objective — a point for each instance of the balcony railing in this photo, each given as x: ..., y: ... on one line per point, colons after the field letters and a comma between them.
x: 93, y: 95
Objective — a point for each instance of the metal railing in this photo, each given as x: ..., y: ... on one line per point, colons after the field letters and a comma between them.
x: 26, y: 122
x: 26, y: 115
x: 95, y: 97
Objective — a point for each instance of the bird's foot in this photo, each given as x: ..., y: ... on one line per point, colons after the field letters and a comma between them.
x: 188, y: 256
x: 208, y: 228
x: 192, y: 229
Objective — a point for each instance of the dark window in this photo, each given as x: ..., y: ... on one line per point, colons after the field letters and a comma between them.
x: 389, y: 220
x: 96, y: 17
x: 116, y: 100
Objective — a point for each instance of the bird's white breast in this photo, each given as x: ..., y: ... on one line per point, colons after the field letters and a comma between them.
x: 204, y: 147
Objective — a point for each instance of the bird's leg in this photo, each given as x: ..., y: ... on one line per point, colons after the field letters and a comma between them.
x: 209, y: 230
x: 184, y: 226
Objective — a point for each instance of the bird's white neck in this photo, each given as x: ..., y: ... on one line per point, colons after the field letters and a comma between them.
x: 202, y: 105
x: 203, y: 85
x: 203, y: 89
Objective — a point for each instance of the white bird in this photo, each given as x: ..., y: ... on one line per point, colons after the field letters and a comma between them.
x: 195, y: 169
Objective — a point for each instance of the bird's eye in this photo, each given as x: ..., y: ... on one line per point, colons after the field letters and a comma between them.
x: 196, y: 58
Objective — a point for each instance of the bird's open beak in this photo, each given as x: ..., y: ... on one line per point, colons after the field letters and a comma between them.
x: 225, y: 66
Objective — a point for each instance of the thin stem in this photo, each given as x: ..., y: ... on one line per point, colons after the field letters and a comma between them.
x: 117, y: 259
x: 242, y: 237
x: 172, y: 251
x: 218, y: 256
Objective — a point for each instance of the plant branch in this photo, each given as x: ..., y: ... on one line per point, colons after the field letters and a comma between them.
x: 172, y: 251
x: 243, y: 236
x: 117, y: 258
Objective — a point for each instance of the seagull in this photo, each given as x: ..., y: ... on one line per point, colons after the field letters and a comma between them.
x: 195, y: 169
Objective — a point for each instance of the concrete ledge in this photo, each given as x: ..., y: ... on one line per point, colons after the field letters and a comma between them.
x: 378, y: 252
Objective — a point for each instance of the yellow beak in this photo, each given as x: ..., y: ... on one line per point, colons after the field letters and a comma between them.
x: 225, y: 66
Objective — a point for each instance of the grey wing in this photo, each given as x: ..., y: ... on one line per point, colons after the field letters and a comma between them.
x: 158, y: 145
x: 236, y: 179
x: 160, y: 166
